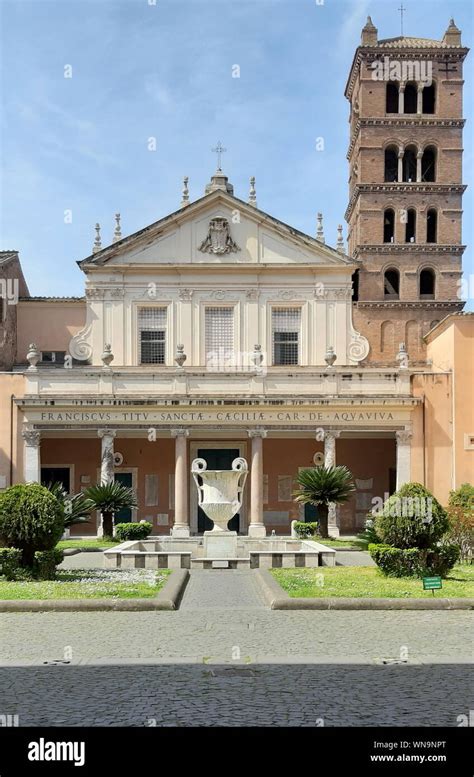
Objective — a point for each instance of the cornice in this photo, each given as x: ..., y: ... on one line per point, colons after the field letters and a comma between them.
x: 418, y: 304
x: 401, y: 121
x: 408, y: 248
x: 402, y: 188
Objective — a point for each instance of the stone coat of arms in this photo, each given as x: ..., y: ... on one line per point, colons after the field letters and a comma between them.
x: 218, y: 239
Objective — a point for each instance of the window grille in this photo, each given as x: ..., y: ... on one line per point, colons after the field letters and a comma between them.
x: 219, y: 332
x: 152, y: 335
x: 286, y: 325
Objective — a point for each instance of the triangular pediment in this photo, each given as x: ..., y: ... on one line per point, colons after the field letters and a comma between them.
x: 217, y: 229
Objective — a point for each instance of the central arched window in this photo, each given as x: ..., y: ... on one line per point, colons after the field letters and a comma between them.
x: 388, y: 225
x: 411, y: 97
x: 428, y: 164
x: 391, y: 97
x: 391, y: 164
x: 409, y: 164
x: 391, y: 283
x: 410, y: 226
x: 427, y: 283
x: 432, y: 226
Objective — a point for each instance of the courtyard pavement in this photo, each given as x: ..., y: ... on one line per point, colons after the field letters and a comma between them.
x: 225, y: 659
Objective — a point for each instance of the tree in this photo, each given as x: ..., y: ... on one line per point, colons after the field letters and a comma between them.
x: 109, y: 499
x: 411, y: 518
x: 461, y: 519
x: 76, y: 507
x: 31, y: 519
x: 322, y: 486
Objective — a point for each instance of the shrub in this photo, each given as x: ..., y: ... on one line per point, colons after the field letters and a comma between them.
x: 45, y: 563
x: 303, y: 529
x: 414, y: 562
x: 10, y: 562
x: 133, y: 531
x: 461, y: 520
x: 109, y: 499
x: 397, y: 562
x: 411, y: 518
x: 31, y: 519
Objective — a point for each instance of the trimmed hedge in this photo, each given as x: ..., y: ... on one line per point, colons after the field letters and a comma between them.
x: 10, y: 562
x: 31, y: 519
x: 133, y: 531
x: 303, y: 529
x: 45, y: 563
x: 414, y: 562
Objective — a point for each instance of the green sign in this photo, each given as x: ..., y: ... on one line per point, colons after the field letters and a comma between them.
x: 430, y: 583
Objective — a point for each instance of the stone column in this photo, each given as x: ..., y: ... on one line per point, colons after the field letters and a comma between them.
x: 401, y: 99
x: 106, y: 464
x: 403, y: 457
x: 330, y: 438
x: 107, y: 455
x: 181, y: 479
x: 400, y: 165
x: 419, y: 99
x: 31, y: 456
x: 256, y: 525
x: 419, y: 156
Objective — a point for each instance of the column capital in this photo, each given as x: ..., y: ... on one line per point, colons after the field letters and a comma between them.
x: 32, y: 437
x: 257, y: 432
x: 403, y: 436
x: 106, y: 433
x: 180, y: 432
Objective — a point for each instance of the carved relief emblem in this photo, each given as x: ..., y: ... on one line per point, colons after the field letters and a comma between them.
x: 218, y: 240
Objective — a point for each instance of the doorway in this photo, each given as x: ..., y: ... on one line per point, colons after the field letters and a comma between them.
x: 125, y: 479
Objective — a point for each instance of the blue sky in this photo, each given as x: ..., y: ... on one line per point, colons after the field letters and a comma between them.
x: 141, y: 70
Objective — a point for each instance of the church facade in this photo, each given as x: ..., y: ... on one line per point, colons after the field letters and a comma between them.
x: 220, y: 331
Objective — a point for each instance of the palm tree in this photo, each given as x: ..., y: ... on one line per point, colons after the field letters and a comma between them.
x: 322, y: 485
x: 110, y: 498
x: 76, y: 507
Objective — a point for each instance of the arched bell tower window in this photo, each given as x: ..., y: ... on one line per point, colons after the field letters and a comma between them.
x: 409, y: 164
x: 410, y: 226
x: 410, y: 99
x: 429, y: 98
x: 428, y: 164
x: 391, y: 97
x: 391, y: 283
x: 432, y: 226
x: 391, y: 164
x: 388, y: 225
x: 427, y: 283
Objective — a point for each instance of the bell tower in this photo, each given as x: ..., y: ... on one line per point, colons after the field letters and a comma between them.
x: 405, y: 187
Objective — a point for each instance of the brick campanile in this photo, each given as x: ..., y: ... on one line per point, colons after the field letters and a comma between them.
x: 405, y: 187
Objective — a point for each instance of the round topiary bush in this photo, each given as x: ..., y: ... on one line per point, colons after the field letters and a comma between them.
x: 31, y: 519
x: 411, y: 518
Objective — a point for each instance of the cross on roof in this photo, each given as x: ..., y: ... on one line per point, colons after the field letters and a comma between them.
x: 219, y: 149
x: 402, y: 11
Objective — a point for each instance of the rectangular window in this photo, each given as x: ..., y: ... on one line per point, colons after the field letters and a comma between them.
x: 53, y: 357
x: 219, y: 333
x: 152, y: 335
x: 286, y: 325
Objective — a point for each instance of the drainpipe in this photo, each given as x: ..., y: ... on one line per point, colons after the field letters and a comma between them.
x: 11, y: 439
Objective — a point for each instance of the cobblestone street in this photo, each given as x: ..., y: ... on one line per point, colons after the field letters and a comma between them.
x: 224, y: 658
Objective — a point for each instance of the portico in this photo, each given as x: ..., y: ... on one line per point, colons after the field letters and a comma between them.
x: 280, y: 440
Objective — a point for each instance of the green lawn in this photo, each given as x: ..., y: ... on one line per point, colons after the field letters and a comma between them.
x: 368, y: 582
x: 88, y: 584
x: 93, y: 542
